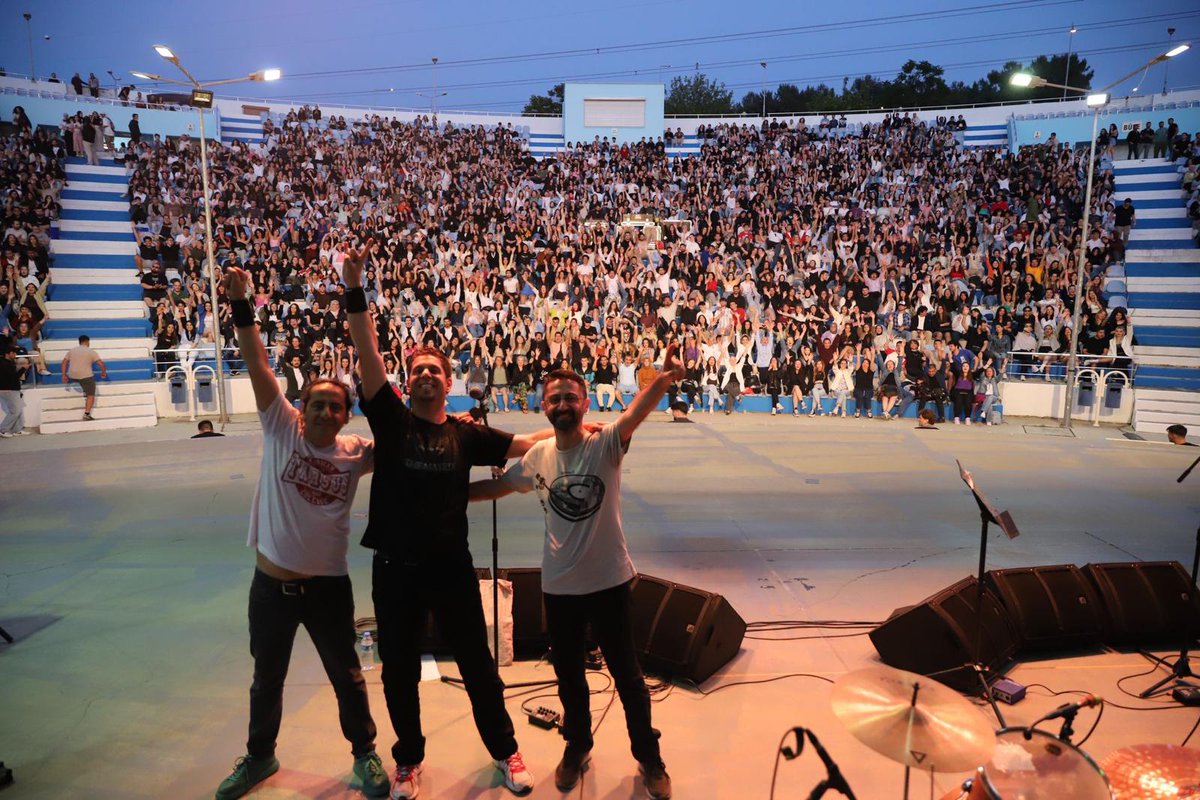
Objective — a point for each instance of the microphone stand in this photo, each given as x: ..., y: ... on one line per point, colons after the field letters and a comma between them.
x: 1181, y: 667
x: 834, y: 779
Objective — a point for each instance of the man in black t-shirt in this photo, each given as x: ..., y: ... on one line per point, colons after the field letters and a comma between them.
x: 417, y: 526
x: 1125, y: 218
x: 154, y: 285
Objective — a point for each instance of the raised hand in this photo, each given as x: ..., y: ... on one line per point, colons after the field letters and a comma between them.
x: 352, y: 267
x: 237, y: 283
x: 672, y: 363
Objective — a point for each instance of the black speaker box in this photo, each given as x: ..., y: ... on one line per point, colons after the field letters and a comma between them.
x: 1053, y: 607
x: 680, y: 631
x: 1147, y: 602
x: 938, y: 636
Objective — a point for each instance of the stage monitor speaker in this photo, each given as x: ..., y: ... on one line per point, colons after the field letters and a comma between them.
x: 1053, y: 607
x: 681, y: 631
x: 938, y: 636
x: 1147, y: 602
x: 530, y: 637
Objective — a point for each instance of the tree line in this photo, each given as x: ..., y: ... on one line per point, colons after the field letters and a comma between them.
x: 918, y: 83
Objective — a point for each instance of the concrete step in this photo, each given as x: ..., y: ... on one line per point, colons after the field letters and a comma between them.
x: 113, y: 190
x: 93, y: 261
x: 104, y: 169
x: 122, y: 206
x: 1160, y: 269
x: 55, y: 349
x: 114, y: 277
x: 1184, y: 317
x: 119, y: 215
x: 88, y: 248
x: 95, y: 226
x: 94, y: 292
x: 110, y: 309
x: 1168, y: 356
x: 1138, y: 283
x: 113, y: 410
x: 1141, y: 232
x: 1167, y: 335
x: 1174, y: 255
x: 1181, y: 300
x: 114, y: 175
x: 1132, y: 178
x: 1141, y: 195
x: 114, y: 328
x: 1170, y: 212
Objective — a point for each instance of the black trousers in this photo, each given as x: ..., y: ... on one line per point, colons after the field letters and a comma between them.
x: 609, y: 612
x: 403, y: 594
x: 325, y: 607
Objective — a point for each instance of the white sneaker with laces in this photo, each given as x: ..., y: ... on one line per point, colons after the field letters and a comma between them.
x: 517, y: 776
x: 406, y: 783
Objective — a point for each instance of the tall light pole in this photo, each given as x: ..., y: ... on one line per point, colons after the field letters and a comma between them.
x: 1167, y: 66
x: 202, y: 100
x: 29, y: 32
x: 1097, y: 101
x: 763, y: 64
x: 1067, y: 72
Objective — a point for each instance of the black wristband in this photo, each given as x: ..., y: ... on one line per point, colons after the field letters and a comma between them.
x: 356, y: 300
x: 243, y: 314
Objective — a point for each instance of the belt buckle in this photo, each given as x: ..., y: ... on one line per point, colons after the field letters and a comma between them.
x: 292, y: 589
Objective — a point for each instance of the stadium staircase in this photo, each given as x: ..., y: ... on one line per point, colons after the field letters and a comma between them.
x: 542, y: 145
x: 94, y: 290
x: 985, y: 136
x: 242, y: 128
x: 1161, y: 282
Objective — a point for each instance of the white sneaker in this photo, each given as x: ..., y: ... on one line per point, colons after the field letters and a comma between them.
x: 406, y: 783
x: 21, y: 433
x: 517, y: 776
x: 5, y: 435
x: 968, y: 420
x: 957, y: 421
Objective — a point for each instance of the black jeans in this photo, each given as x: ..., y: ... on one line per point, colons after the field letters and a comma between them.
x: 325, y: 607
x: 403, y: 593
x: 609, y: 612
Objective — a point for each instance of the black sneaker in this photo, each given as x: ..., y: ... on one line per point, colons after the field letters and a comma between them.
x: 368, y: 768
x: 248, y: 772
x: 87, y: 417
x: 657, y: 781
x: 570, y: 769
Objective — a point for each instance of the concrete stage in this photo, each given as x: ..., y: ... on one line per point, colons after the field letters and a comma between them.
x: 124, y: 579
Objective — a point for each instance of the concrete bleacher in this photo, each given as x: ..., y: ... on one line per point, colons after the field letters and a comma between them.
x: 985, y: 136
x: 94, y: 291
x: 542, y: 145
x: 242, y: 128
x: 1162, y: 284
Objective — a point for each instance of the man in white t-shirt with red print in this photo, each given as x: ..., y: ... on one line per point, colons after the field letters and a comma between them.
x: 300, y: 527
x: 586, y: 569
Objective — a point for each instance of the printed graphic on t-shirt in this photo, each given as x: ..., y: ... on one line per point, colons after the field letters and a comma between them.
x: 431, y: 453
x: 574, y: 497
x: 317, y: 480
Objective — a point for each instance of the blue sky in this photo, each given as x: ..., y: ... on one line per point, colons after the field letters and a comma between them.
x: 373, y: 52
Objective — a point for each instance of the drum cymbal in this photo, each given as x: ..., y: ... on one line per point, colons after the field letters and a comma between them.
x: 944, y: 732
x: 1153, y: 771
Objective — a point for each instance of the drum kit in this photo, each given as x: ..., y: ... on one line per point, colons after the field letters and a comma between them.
x: 923, y: 724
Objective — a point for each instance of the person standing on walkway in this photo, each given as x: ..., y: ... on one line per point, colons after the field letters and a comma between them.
x: 586, y: 570
x: 300, y: 529
x: 11, y: 402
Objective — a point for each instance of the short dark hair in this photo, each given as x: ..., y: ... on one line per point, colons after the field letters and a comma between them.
x: 1178, y: 430
x: 204, y: 425
x: 84, y: 338
x: 429, y: 350
x: 307, y: 391
x: 566, y: 375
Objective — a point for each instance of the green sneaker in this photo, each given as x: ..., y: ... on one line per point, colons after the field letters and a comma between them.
x: 248, y: 772
x: 368, y: 768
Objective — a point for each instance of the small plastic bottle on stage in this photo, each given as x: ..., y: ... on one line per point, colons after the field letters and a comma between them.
x: 366, y: 651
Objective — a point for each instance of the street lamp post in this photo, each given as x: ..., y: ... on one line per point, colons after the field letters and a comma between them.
x: 213, y: 275
x: 1167, y: 66
x: 29, y: 33
x: 1067, y: 72
x: 763, y: 64
x: 1096, y: 101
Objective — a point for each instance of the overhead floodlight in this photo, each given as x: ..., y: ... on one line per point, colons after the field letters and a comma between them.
x: 1183, y: 48
x: 146, y: 76
x: 1097, y: 100
x: 164, y: 51
x: 1021, y: 79
x: 270, y: 74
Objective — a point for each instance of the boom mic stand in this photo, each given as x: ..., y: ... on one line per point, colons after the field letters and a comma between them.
x: 1181, y: 667
x: 987, y: 514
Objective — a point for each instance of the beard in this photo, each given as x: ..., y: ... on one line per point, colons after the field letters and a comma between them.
x: 564, y: 420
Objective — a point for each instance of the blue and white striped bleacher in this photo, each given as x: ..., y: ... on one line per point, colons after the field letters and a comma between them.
x: 542, y: 145
x: 985, y: 136
x: 1162, y: 281
x: 94, y: 288
x: 242, y: 128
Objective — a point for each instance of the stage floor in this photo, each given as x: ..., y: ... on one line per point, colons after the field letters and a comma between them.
x: 124, y: 578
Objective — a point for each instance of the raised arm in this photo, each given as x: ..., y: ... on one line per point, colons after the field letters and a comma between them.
x: 647, y: 399
x: 362, y: 329
x: 254, y: 353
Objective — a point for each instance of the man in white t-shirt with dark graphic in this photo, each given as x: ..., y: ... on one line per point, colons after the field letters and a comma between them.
x: 300, y: 528
x: 586, y: 570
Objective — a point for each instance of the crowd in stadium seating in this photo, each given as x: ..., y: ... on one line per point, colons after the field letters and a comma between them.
x: 790, y: 263
x: 788, y: 260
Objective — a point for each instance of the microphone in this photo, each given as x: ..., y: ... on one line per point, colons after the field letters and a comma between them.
x: 1070, y: 709
x: 788, y: 752
x: 836, y: 781
x: 476, y: 393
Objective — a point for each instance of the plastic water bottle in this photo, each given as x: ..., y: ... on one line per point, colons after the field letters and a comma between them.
x: 366, y: 651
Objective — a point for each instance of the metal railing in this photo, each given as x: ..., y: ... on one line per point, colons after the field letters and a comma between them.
x: 1026, y: 365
